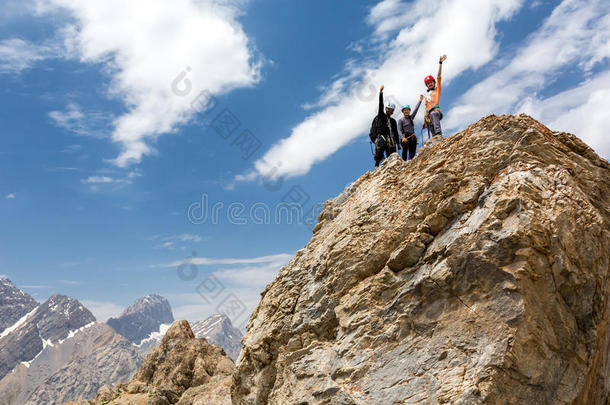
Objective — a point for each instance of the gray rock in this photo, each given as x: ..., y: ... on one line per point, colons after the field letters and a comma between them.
x: 14, y: 304
x: 50, y: 322
x: 182, y: 370
x: 142, y: 318
x: 73, y: 369
x: 475, y: 274
x: 218, y: 330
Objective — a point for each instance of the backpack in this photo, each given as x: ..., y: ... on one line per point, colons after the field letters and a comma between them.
x: 373, y: 132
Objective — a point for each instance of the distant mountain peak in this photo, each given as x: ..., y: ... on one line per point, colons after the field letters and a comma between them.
x: 151, y: 301
x: 182, y: 369
x: 218, y: 329
x: 45, y: 325
x: 143, y: 317
x: 14, y: 303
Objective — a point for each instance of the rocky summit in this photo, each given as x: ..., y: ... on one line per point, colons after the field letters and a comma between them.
x: 14, y: 304
x: 475, y: 274
x: 218, y: 329
x: 142, y: 318
x: 182, y: 370
x: 48, y: 324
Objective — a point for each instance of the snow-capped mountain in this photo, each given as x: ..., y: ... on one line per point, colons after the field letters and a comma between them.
x: 218, y: 329
x: 143, y: 317
x: 46, y: 325
x: 14, y: 304
x: 55, y: 351
x: 74, y: 369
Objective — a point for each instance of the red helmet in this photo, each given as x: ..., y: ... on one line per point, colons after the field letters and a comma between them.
x: 429, y: 79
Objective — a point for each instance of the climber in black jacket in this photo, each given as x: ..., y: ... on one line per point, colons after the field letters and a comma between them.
x: 384, y: 132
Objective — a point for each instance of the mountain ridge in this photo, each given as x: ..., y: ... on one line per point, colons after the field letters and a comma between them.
x: 46, y: 325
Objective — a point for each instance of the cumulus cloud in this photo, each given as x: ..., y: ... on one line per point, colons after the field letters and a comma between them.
x: 10, y: 196
x: 410, y: 38
x: 580, y: 110
x: 576, y: 35
x: 160, y: 56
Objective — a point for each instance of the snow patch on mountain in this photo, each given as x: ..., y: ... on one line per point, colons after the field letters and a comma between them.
x: 17, y: 324
x: 154, y: 336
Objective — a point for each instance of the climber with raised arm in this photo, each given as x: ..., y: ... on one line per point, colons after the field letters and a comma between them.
x: 384, y: 132
x: 406, y: 130
x: 434, y: 115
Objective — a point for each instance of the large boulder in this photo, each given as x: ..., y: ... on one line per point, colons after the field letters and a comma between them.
x: 476, y: 273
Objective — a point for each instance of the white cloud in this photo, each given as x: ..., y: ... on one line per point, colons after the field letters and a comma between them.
x: 102, y: 310
x: 243, y: 284
x: 581, y: 110
x: 251, y: 276
x: 409, y: 44
x: 10, y: 196
x: 71, y: 148
x: 17, y: 55
x: 145, y: 45
x: 577, y: 34
x: 207, y: 261
x: 75, y: 120
x: 11, y: 9
x: 99, y: 179
x: 96, y: 182
x: 176, y: 241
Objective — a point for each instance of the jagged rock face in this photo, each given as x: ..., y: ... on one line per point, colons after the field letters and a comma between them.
x: 182, y: 370
x: 49, y: 323
x: 14, y: 304
x: 73, y: 369
x: 218, y: 330
x: 143, y: 317
x: 476, y: 273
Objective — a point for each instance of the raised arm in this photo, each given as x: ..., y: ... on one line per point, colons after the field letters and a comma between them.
x: 438, y: 78
x: 440, y: 67
x: 381, y: 110
x: 414, y: 113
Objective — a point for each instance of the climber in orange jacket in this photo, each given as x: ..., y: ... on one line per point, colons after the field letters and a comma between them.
x: 434, y: 115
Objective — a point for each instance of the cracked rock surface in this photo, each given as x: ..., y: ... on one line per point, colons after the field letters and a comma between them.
x: 475, y: 274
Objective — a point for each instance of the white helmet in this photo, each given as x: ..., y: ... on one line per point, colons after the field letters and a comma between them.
x: 391, y: 106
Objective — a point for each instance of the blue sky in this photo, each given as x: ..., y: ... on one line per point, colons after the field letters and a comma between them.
x: 117, y: 119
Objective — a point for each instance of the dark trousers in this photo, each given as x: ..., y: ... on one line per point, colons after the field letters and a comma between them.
x: 381, y: 148
x: 409, y: 149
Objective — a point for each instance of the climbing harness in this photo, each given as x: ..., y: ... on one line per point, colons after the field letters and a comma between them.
x: 428, y: 120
